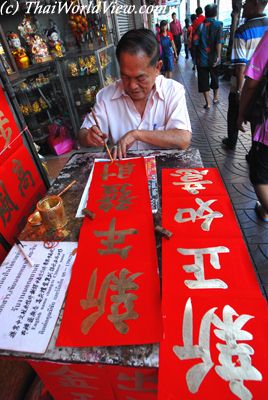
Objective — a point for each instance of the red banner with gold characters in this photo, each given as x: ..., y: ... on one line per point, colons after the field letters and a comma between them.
x: 20, y: 182
x: 9, y: 133
x: 97, y: 382
x: 215, y: 319
x: 114, y: 296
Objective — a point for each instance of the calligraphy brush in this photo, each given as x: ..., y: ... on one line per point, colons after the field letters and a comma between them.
x: 20, y: 247
x: 105, y: 144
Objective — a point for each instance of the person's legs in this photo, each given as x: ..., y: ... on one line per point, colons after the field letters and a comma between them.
x: 178, y: 45
x: 262, y: 194
x: 259, y: 177
x: 203, y: 84
x: 193, y: 54
x: 186, y: 51
x: 207, y: 99
x: 232, y: 114
x: 214, y: 84
x: 176, y: 42
x: 169, y: 66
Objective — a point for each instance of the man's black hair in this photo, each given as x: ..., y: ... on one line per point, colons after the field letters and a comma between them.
x: 139, y: 40
x: 199, y: 11
x: 193, y: 17
x: 211, y: 10
x: 173, y: 14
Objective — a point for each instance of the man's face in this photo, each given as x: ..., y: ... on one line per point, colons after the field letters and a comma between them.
x: 249, y: 8
x: 174, y: 17
x: 137, y: 75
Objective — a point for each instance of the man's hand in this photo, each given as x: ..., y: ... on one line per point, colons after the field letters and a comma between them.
x: 120, y: 151
x: 217, y: 62
x: 94, y: 137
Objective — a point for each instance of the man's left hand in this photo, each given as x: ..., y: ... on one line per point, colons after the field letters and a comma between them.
x: 125, y: 143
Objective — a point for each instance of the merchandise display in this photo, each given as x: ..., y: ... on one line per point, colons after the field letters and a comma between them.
x: 19, y: 53
x: 85, y: 75
x: 55, y: 44
x: 37, y: 45
x: 56, y: 79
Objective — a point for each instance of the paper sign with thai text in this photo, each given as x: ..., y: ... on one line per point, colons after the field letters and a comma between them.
x: 114, y: 292
x: 215, y: 318
x: 31, y: 297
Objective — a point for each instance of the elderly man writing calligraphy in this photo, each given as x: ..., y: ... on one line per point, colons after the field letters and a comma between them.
x: 142, y: 110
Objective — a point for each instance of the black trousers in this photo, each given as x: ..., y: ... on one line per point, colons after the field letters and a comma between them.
x: 186, y: 50
x: 232, y: 115
x: 177, y: 41
x: 207, y: 78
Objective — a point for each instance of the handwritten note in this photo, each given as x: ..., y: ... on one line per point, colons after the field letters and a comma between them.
x: 31, y: 297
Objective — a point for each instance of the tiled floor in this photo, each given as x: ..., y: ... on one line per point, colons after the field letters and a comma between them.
x: 209, y: 128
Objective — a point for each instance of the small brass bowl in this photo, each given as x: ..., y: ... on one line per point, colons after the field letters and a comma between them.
x: 35, y: 219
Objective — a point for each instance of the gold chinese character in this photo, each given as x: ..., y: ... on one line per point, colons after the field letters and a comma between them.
x: 124, y: 170
x: 122, y: 285
x: 25, y: 177
x: 5, y: 132
x: 116, y: 195
x: 74, y: 379
x: 6, y: 205
x: 115, y: 237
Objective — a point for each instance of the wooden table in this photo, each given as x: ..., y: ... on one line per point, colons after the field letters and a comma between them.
x: 147, y: 356
x: 78, y: 167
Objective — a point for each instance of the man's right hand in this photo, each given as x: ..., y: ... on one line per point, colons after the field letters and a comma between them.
x: 92, y: 136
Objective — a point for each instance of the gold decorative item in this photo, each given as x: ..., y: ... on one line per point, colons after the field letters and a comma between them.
x: 52, y: 212
x: 18, y: 52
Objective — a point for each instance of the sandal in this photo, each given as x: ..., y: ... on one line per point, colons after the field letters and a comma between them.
x: 206, y: 106
x: 258, y: 211
x: 215, y: 101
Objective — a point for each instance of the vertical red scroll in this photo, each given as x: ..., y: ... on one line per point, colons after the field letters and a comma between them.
x: 114, y: 297
x: 20, y: 183
x: 215, y: 318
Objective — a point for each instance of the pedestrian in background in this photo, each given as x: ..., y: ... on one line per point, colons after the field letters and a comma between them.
x: 167, y: 44
x: 176, y: 30
x: 191, y: 46
x: 186, y: 38
x: 246, y: 39
x: 256, y: 74
x: 200, y: 18
x: 208, y: 40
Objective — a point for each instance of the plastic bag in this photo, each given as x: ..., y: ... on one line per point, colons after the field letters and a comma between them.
x: 59, y: 139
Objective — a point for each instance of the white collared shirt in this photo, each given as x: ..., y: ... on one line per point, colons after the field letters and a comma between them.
x: 116, y: 113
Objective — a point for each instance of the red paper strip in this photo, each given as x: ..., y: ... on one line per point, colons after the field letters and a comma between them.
x: 8, y: 129
x: 74, y: 381
x: 114, y: 295
x: 133, y: 383
x: 97, y: 382
x: 215, y: 319
x: 233, y: 329
x: 20, y: 188
x: 193, y: 182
